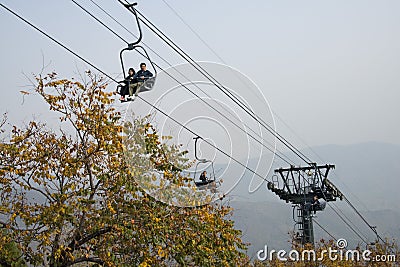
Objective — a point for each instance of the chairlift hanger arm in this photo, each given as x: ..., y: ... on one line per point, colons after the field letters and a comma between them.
x: 131, y: 8
x: 195, y: 149
x: 134, y: 45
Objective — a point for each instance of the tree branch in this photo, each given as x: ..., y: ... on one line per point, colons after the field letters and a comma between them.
x: 84, y: 259
x: 4, y: 263
x: 77, y: 243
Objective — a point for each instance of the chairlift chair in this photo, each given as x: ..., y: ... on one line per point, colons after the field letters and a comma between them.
x: 149, y: 83
x: 210, y: 182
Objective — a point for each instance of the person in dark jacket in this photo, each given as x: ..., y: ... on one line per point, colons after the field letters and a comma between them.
x: 203, y: 176
x: 140, y: 77
x: 130, y: 79
x: 316, y: 204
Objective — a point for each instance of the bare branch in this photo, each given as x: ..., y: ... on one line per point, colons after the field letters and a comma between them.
x: 77, y: 243
x: 84, y: 259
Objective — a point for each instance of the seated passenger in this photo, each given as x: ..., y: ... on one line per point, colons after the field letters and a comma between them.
x: 130, y: 79
x: 322, y: 204
x: 315, y: 205
x: 140, y: 77
x: 203, y: 176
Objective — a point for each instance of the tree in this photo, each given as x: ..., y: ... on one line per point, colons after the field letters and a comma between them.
x: 70, y: 196
x: 9, y: 253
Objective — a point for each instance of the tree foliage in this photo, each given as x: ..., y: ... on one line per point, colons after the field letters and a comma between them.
x: 68, y: 196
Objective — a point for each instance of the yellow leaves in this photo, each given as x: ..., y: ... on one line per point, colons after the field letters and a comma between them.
x: 144, y: 264
x: 71, y: 256
x: 86, y: 179
x: 13, y: 216
x: 4, y: 239
x: 72, y: 186
x: 44, y: 238
x: 63, y: 251
x: 160, y: 252
x: 62, y: 210
x: 4, y: 209
x: 110, y: 208
x: 90, y: 150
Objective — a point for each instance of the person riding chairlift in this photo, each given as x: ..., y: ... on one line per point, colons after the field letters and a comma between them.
x: 203, y: 177
x: 129, y: 80
x: 317, y: 204
x: 140, y: 77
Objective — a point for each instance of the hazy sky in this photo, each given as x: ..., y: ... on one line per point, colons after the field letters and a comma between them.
x: 330, y: 69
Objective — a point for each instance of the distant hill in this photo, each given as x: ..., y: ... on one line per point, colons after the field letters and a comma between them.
x: 368, y: 174
x: 268, y: 223
x: 371, y: 171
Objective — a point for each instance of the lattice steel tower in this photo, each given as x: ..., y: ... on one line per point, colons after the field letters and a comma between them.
x: 307, y: 189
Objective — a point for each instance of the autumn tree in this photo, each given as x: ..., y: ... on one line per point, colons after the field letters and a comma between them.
x: 71, y: 195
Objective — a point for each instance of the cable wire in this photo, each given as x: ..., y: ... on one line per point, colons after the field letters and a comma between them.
x: 235, y: 99
x: 345, y: 198
x: 99, y: 21
x: 56, y: 41
x: 281, y: 155
x: 207, y: 75
x: 349, y: 220
x: 366, y: 222
x: 191, y: 61
x: 201, y: 39
x: 204, y: 140
x: 340, y: 216
x: 213, y: 51
x: 324, y: 229
x: 209, y: 143
x: 200, y: 69
x: 193, y: 31
x: 104, y: 73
